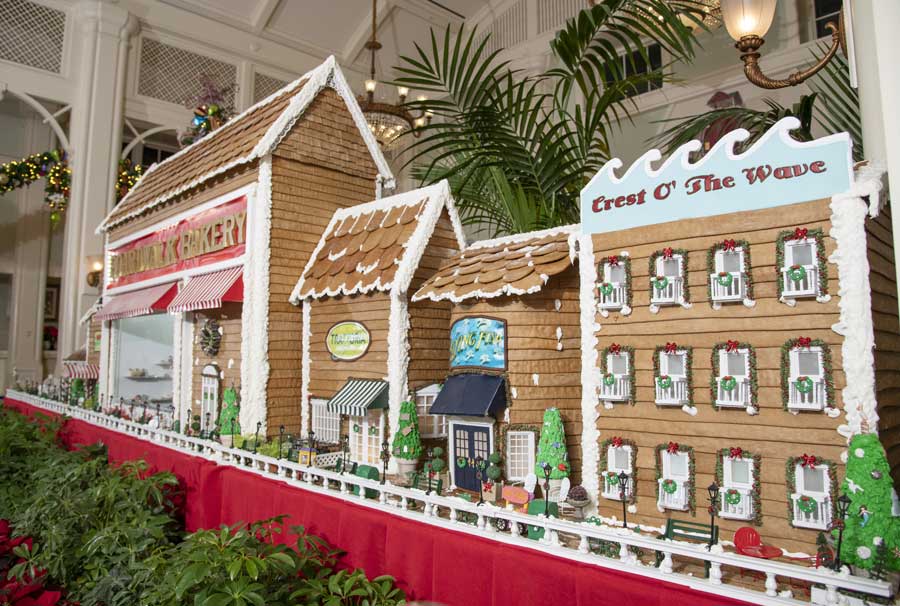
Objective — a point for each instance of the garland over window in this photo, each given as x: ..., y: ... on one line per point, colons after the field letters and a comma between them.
x: 675, y: 447
x: 802, y: 233
x: 720, y: 478
x: 727, y: 246
x: 628, y: 351
x: 657, y: 281
x: 618, y: 442
x: 729, y: 346
x: 827, y: 368
x: 688, y: 366
x: 791, y: 474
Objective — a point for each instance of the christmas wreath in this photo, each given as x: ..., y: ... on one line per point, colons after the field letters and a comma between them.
x: 665, y: 381
x: 725, y: 279
x: 807, y: 504
x: 797, y: 273
x: 804, y: 384
x: 732, y: 496
x: 669, y: 486
x: 728, y: 383
x: 461, y: 462
x: 609, y: 379
x: 210, y: 338
x: 613, y: 478
x: 660, y: 282
x: 606, y: 289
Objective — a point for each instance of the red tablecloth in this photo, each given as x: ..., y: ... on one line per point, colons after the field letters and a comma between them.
x: 429, y: 562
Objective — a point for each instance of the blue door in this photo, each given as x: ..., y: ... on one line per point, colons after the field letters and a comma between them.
x: 469, y: 442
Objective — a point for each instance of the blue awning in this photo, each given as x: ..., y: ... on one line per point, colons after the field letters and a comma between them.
x: 470, y: 395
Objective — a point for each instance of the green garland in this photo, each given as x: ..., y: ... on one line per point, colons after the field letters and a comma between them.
x: 827, y: 366
x: 691, y: 483
x: 744, y: 245
x: 688, y: 367
x: 51, y: 164
x: 754, y: 381
x: 625, y: 262
x: 791, y: 474
x: 129, y: 175
x: 720, y: 480
x: 629, y: 352
x: 651, y: 265
x: 604, y: 460
x: 818, y: 235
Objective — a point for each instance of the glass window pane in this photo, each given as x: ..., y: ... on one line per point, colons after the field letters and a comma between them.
x: 736, y: 364
x: 616, y: 273
x: 808, y: 362
x: 814, y: 479
x: 740, y: 471
x: 618, y: 364
x: 675, y: 363
x: 671, y: 267
x: 621, y: 459
x: 731, y: 261
x: 145, y: 352
x: 803, y: 254
x: 678, y: 464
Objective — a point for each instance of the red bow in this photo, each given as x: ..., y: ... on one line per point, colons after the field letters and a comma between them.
x: 731, y: 345
x: 729, y: 245
x: 808, y: 460
x: 736, y: 453
x: 613, y: 260
x: 616, y: 442
x: 804, y: 341
x: 672, y: 447
x: 488, y: 485
x: 667, y: 252
x: 671, y: 347
x: 800, y: 233
x: 615, y: 348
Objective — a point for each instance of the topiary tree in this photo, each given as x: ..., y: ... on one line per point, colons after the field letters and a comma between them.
x: 437, y: 464
x: 229, y: 416
x: 552, y: 447
x: 494, y: 471
x: 870, y: 520
x: 407, y: 443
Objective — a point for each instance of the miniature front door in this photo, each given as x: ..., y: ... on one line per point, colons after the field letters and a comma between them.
x: 469, y: 442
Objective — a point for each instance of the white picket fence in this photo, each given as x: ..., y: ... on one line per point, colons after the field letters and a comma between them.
x: 398, y: 500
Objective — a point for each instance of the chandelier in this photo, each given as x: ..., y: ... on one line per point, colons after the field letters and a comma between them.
x: 386, y: 120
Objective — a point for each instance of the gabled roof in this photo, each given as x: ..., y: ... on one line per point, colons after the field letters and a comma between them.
x: 514, y: 265
x: 376, y: 246
x: 244, y: 139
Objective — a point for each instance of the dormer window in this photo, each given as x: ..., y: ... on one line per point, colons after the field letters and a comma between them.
x: 802, y: 265
x: 613, y: 292
x: 668, y: 284
x: 729, y: 277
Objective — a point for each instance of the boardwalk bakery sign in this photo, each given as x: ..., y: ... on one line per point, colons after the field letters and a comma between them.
x: 478, y: 342
x: 776, y: 171
x: 347, y: 341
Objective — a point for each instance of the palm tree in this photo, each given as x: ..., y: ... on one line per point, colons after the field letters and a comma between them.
x: 517, y: 149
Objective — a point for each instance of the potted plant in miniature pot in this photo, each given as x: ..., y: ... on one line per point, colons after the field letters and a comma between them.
x: 228, y: 423
x: 407, y: 442
x: 579, y: 499
x: 552, y: 452
x: 438, y: 466
x: 491, y: 486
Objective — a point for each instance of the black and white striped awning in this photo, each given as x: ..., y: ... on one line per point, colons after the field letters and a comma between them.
x: 359, y: 395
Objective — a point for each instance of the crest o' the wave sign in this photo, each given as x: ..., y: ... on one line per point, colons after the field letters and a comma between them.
x: 777, y: 170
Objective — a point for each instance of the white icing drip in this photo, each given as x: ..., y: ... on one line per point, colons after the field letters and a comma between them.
x: 536, y: 378
x: 397, y: 363
x: 590, y: 386
x: 305, y: 365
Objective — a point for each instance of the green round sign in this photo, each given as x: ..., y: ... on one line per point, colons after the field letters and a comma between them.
x: 347, y: 341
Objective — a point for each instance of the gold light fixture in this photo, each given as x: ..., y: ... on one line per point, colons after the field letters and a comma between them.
x: 747, y: 21
x: 386, y: 120
x: 96, y: 274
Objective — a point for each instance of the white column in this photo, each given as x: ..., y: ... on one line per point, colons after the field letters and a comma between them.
x: 104, y: 30
x: 877, y: 47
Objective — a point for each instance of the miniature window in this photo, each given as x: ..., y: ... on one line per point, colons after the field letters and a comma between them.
x: 325, y: 423
x: 800, y: 252
x: 731, y: 261
x: 670, y: 268
x: 811, y: 480
x: 617, y: 364
x: 675, y: 465
x: 619, y: 459
x: 614, y: 274
x: 733, y: 363
x: 738, y: 472
x: 209, y: 397
x: 430, y: 426
x: 806, y: 363
x: 673, y: 364
x: 520, y: 454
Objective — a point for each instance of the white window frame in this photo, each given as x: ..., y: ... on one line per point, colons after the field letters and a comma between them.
x: 430, y: 426
x: 325, y: 423
x: 720, y: 259
x: 366, y: 449
x: 210, y: 382
x: 660, y: 265
x: 607, y: 273
x: 667, y: 473
x: 794, y: 361
x: 723, y: 363
x: 800, y: 482
x: 610, y: 458
x: 609, y: 358
x: 530, y: 455
x: 729, y: 482
x: 664, y: 363
x: 789, y: 247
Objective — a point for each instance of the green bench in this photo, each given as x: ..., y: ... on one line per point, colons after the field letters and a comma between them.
x: 536, y: 508
x: 370, y: 473
x: 688, y: 531
x: 419, y: 479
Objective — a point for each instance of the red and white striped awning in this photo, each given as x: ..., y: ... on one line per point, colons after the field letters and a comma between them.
x: 138, y: 302
x: 81, y: 370
x: 208, y: 291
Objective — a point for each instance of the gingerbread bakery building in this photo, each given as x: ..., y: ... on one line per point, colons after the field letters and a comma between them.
x: 201, y: 256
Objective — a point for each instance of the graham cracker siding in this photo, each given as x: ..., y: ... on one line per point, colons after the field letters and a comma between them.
x: 531, y: 322
x: 94, y: 328
x: 773, y: 433
x: 228, y: 360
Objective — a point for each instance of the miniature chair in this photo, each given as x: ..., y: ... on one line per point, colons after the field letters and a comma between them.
x: 748, y: 543
x: 530, y: 483
x: 564, y: 486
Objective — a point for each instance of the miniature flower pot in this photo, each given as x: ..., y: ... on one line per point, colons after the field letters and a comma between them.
x: 406, y: 466
x: 579, y: 505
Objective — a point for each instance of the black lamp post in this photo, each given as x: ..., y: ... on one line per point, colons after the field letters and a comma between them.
x: 479, y: 475
x: 385, y: 457
x: 158, y: 418
x: 345, y: 450
x: 547, y: 471
x: 280, y: 438
x: 256, y: 437
x: 623, y: 492
x: 429, y: 468
x: 311, y: 443
x: 843, y: 508
x: 713, y: 490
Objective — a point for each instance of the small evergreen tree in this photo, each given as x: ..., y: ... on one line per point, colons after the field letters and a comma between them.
x: 870, y: 519
x: 407, y: 443
x: 552, y: 447
x: 230, y: 414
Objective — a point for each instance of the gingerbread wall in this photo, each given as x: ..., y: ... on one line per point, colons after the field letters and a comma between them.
x: 773, y: 433
x: 228, y: 359
x: 94, y: 328
x: 321, y: 165
x: 532, y: 321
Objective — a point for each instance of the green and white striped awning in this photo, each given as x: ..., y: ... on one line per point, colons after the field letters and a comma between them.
x: 359, y: 395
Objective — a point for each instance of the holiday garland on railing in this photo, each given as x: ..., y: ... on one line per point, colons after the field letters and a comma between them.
x: 675, y: 447
x: 606, y: 288
x: 735, y: 346
x: 615, y: 348
x: 827, y: 367
x: 727, y: 246
x: 618, y: 442
x: 659, y: 282
x: 688, y: 368
x: 808, y: 461
x: 740, y: 453
x: 802, y: 233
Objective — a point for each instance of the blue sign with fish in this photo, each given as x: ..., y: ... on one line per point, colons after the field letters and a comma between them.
x: 478, y: 342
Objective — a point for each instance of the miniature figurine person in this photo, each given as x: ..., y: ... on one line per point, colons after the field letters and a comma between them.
x: 865, y: 515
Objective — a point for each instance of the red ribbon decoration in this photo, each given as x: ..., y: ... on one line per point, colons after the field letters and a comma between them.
x: 667, y: 252
x: 672, y: 447
x: 616, y: 442
x: 729, y: 245
x: 731, y: 345
x: 808, y: 461
x: 799, y: 233
x: 736, y: 453
x: 804, y: 341
x: 613, y: 260
x: 671, y: 347
x: 615, y: 349
x: 488, y: 485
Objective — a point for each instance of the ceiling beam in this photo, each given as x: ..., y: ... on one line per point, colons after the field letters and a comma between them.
x: 263, y: 14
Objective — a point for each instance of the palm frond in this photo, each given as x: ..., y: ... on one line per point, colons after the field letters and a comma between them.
x: 839, y: 107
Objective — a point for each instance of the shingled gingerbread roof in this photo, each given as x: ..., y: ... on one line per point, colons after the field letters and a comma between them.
x: 515, y: 265
x: 245, y: 138
x: 376, y: 246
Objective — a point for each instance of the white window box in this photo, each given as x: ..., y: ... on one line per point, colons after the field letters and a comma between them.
x: 733, y: 383
x: 820, y: 516
x: 615, y: 385
x: 742, y: 510
x: 738, y: 476
x: 618, y: 459
x: 667, y: 286
x: 806, y: 376
x: 811, y: 503
x: 672, y: 387
x: 675, y: 469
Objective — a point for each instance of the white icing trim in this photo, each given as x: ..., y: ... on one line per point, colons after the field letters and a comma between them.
x: 305, y: 366
x: 179, y: 350
x: 397, y: 363
x: 255, y: 313
x: 573, y: 231
x: 590, y: 386
x: 848, y: 228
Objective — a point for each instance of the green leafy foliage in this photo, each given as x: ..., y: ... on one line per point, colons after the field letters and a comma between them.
x: 228, y: 423
x: 552, y: 447
x: 407, y: 443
